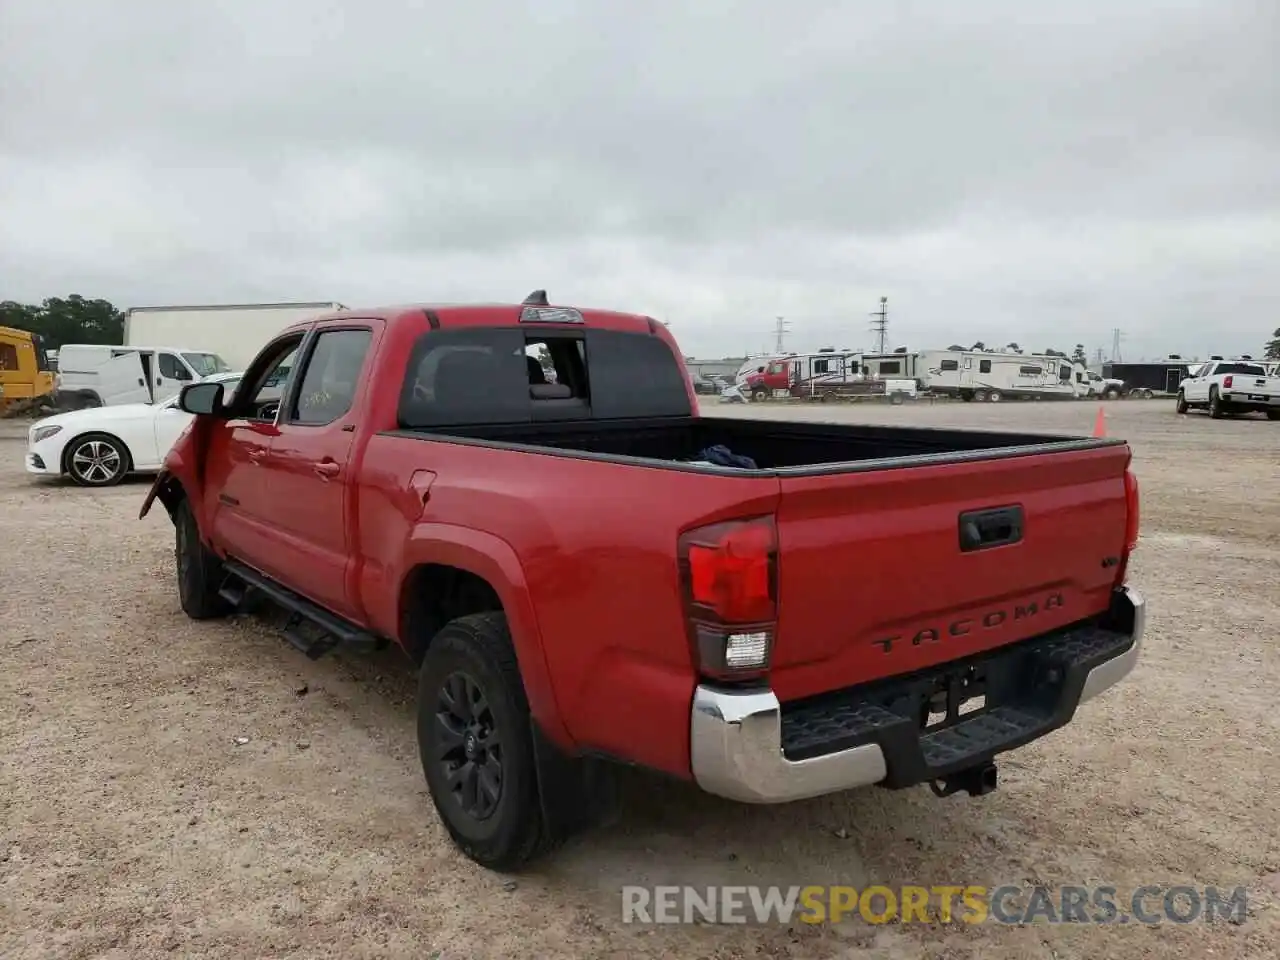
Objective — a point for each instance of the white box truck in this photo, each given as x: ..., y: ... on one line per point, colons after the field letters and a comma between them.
x: 235, y: 332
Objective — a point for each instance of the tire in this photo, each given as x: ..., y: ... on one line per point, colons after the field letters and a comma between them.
x: 1182, y: 406
x: 1217, y: 409
x: 472, y: 661
x: 200, y: 572
x: 1112, y: 394
x: 1273, y: 414
x: 759, y: 394
x: 994, y: 396
x: 96, y: 460
x: 980, y: 396
x: 967, y: 396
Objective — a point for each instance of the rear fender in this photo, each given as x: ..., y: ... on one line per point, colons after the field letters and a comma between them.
x: 493, y: 559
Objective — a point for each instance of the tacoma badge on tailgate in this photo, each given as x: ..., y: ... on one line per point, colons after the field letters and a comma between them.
x: 966, y: 625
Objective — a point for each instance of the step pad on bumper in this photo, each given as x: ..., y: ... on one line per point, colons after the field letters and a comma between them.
x: 1029, y: 689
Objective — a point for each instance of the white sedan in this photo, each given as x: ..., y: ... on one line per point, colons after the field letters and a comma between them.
x: 99, y: 446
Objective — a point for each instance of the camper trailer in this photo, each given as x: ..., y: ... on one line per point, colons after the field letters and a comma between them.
x: 992, y: 377
x: 899, y: 365
x: 799, y: 373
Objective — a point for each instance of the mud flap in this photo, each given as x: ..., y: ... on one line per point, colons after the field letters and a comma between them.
x: 575, y: 793
x: 159, y: 482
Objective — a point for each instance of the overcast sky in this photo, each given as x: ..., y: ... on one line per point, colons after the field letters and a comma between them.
x: 1001, y: 171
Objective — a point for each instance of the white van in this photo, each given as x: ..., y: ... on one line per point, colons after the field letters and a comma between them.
x: 104, y: 375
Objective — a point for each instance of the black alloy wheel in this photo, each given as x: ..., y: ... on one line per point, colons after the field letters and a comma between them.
x: 468, y: 746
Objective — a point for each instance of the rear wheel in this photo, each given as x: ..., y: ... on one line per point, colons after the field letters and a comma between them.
x: 994, y: 396
x: 97, y: 460
x: 1217, y: 409
x: 758, y: 394
x: 1183, y: 406
x: 1112, y: 394
x: 475, y: 742
x: 200, y: 572
x: 1273, y: 414
x: 980, y: 396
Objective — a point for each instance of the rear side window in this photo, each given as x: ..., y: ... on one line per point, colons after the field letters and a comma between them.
x: 634, y: 375
x: 516, y: 375
x: 466, y: 376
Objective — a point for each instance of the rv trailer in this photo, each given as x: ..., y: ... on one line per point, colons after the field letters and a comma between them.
x: 892, y: 366
x: 825, y: 375
x: 979, y: 375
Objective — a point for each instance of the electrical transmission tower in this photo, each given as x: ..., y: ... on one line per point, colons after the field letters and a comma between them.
x: 780, y: 329
x: 880, y: 325
x: 1116, y: 337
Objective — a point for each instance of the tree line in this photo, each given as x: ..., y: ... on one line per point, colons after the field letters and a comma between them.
x: 74, y: 319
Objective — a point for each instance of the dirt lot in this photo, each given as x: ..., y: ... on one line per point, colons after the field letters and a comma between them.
x: 135, y: 823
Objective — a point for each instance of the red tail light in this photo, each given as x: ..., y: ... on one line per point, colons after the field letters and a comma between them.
x: 1226, y: 381
x: 730, y: 576
x: 1131, y: 507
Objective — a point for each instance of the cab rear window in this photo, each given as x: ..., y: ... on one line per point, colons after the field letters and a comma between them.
x: 479, y: 375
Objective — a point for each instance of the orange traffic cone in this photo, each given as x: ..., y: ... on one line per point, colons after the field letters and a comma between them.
x: 1100, y: 424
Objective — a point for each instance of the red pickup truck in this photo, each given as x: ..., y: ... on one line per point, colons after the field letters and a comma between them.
x: 585, y: 570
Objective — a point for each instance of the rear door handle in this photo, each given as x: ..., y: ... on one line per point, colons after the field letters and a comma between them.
x: 983, y: 529
x: 327, y: 468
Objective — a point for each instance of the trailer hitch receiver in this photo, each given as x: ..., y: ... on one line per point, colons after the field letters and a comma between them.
x: 976, y: 781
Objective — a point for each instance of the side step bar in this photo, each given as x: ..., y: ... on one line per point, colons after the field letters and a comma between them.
x: 311, y: 628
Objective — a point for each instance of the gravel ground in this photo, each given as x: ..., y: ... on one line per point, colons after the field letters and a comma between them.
x: 174, y: 788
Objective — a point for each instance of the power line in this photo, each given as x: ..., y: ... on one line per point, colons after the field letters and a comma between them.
x: 780, y: 331
x: 880, y: 326
x: 1116, y: 336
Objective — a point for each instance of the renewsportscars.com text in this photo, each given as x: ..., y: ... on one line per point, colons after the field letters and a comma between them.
x: 945, y: 904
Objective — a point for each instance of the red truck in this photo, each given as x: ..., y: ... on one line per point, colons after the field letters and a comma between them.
x: 585, y: 570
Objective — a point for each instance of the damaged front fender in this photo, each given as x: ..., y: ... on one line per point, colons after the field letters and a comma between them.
x: 157, y: 490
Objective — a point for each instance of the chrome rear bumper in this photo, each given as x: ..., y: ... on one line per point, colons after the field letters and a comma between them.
x: 736, y: 747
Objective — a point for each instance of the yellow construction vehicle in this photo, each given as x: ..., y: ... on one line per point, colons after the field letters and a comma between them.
x: 26, y: 380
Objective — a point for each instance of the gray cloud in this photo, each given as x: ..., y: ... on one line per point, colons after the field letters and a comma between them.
x: 1001, y: 171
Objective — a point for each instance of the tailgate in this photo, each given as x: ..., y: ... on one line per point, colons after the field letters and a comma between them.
x: 873, y: 580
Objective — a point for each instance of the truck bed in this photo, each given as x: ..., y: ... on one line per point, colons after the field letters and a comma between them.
x: 789, y: 448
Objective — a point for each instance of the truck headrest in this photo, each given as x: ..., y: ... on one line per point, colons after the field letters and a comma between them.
x: 465, y: 377
x: 550, y: 391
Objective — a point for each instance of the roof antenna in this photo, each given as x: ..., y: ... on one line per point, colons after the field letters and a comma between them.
x: 536, y: 299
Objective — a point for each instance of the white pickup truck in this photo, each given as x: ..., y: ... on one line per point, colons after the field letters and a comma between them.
x: 1230, y: 386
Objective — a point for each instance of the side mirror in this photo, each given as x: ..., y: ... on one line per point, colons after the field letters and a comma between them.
x: 202, y: 399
